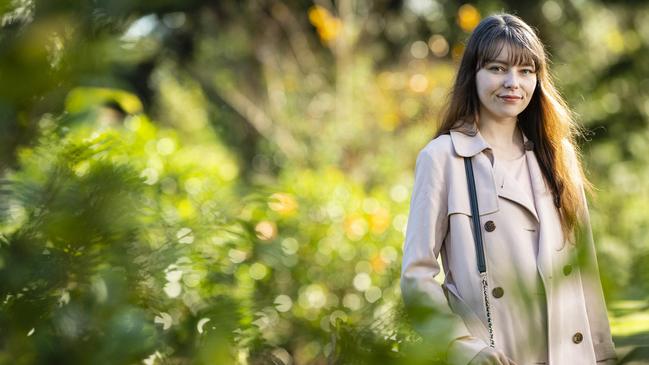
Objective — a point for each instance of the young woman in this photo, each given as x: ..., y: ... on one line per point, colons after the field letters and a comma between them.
x: 543, y: 301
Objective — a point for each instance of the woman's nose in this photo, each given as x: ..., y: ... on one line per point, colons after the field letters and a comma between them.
x: 511, y: 80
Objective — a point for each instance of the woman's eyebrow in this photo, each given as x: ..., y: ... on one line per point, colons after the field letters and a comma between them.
x: 505, y: 62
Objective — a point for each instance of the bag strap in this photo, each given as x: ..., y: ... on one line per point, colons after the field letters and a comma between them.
x: 479, y: 246
x: 475, y: 216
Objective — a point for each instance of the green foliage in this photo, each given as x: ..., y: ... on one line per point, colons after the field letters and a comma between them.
x: 97, y: 255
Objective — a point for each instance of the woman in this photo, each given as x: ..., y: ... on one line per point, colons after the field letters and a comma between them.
x: 545, y: 300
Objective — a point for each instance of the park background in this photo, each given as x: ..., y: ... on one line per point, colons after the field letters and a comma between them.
x: 221, y: 182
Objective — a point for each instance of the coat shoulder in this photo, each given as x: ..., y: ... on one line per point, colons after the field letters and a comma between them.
x: 438, y: 150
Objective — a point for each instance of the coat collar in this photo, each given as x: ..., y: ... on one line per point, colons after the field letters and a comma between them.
x: 467, y: 145
x: 468, y: 142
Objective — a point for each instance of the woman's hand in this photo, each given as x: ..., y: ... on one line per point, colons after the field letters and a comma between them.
x: 490, y: 356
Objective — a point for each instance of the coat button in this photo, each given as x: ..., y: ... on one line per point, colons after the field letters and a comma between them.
x: 497, y: 292
x: 490, y: 226
x: 567, y: 270
x: 577, y: 337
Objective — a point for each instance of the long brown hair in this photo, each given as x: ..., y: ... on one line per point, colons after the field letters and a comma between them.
x: 547, y: 121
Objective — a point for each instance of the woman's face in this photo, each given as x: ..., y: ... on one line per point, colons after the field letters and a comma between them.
x: 504, y: 90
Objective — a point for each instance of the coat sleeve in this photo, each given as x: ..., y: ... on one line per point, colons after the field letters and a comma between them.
x: 423, y: 296
x: 593, y: 293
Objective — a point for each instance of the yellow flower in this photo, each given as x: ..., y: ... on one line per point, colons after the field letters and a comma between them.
x: 355, y: 227
x: 283, y: 203
x: 380, y: 220
x: 317, y: 15
x: 378, y: 265
x: 327, y: 25
x: 468, y: 17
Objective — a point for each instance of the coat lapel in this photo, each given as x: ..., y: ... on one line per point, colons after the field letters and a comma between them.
x: 550, y: 234
x: 510, y: 189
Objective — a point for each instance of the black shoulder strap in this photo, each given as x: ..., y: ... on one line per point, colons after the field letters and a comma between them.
x: 475, y: 215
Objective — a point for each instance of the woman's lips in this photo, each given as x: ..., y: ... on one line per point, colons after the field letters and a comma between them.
x: 510, y: 98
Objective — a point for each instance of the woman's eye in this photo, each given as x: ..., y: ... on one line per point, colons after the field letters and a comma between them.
x: 497, y: 68
x: 528, y: 71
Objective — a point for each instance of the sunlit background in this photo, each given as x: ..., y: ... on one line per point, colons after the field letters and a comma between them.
x: 227, y: 182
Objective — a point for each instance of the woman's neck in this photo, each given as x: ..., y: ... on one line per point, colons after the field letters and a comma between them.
x: 503, y: 136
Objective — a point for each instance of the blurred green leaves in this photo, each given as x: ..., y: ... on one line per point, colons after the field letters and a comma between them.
x: 94, y: 248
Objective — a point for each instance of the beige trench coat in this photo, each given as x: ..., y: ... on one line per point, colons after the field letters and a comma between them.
x: 439, y: 223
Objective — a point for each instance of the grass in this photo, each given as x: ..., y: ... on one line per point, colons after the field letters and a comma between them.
x: 630, y: 329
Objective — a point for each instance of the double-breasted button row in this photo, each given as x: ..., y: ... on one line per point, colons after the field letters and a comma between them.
x: 490, y: 226
x: 577, y: 337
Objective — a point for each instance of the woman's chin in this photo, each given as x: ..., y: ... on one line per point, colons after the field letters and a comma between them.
x: 507, y: 113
